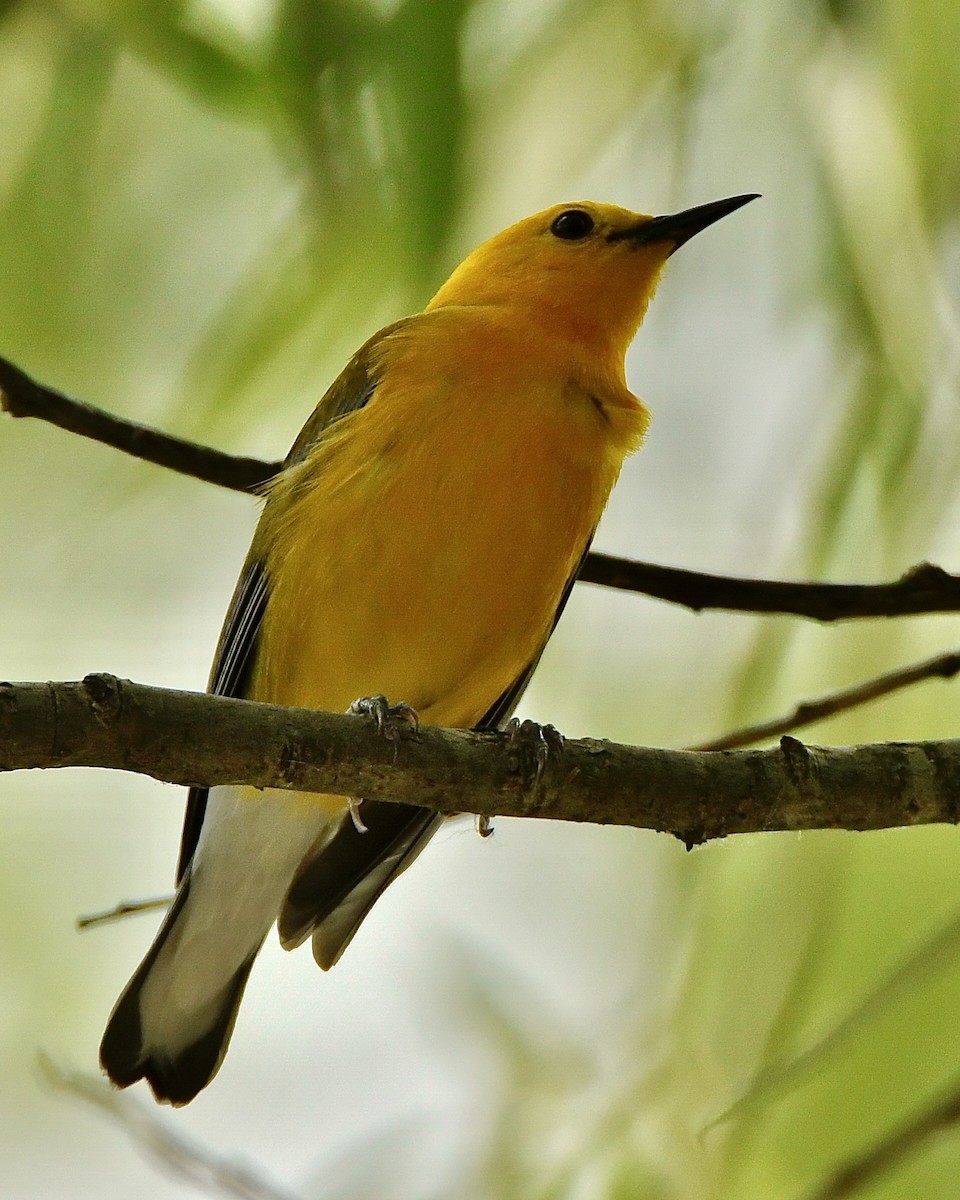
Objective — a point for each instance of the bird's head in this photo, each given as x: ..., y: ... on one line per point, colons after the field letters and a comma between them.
x: 587, y: 270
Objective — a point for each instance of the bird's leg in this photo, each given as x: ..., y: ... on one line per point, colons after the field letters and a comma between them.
x: 394, y: 722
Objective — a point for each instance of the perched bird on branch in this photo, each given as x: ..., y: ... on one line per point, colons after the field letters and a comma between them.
x: 419, y: 543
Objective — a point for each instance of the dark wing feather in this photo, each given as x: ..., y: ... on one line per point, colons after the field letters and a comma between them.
x: 236, y: 649
x: 337, y: 885
x: 231, y: 670
x: 353, y: 387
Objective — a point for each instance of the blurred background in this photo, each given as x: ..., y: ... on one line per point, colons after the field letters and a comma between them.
x: 204, y: 208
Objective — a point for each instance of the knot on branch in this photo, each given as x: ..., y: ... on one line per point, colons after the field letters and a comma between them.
x: 105, y: 698
x: 694, y: 836
x: 796, y: 760
x: 926, y: 575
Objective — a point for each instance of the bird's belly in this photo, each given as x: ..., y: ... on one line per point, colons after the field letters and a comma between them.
x: 421, y: 587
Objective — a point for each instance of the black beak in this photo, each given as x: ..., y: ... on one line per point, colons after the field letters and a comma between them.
x: 680, y: 227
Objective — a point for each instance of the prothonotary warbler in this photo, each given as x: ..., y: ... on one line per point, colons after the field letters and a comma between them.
x: 420, y: 542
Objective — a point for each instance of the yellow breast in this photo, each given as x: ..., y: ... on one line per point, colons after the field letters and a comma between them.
x: 421, y: 549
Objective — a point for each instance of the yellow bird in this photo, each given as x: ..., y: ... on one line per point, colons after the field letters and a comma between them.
x: 420, y: 542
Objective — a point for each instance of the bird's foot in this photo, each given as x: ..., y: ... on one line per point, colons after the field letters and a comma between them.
x: 530, y: 746
x: 395, y: 722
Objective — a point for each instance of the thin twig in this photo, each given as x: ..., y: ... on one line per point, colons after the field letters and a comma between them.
x: 924, y: 589
x: 890, y: 1152
x: 21, y: 396
x: 177, y: 1154
x: 943, y: 666
x: 127, y: 909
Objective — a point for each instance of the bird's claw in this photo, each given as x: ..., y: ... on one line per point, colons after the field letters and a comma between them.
x: 353, y: 806
x: 530, y: 746
x: 395, y: 722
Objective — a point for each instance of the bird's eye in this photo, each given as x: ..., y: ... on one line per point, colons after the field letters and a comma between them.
x: 572, y: 225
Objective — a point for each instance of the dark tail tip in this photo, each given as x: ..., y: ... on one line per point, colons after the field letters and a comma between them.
x: 178, y: 1075
x: 121, y: 1049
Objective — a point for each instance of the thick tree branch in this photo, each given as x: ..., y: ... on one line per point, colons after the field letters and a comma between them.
x: 191, y: 738
x: 924, y: 589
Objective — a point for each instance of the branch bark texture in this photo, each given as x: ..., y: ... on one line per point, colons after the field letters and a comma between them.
x: 193, y: 738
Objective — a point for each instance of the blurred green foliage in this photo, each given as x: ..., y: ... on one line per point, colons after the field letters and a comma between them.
x: 205, y: 207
